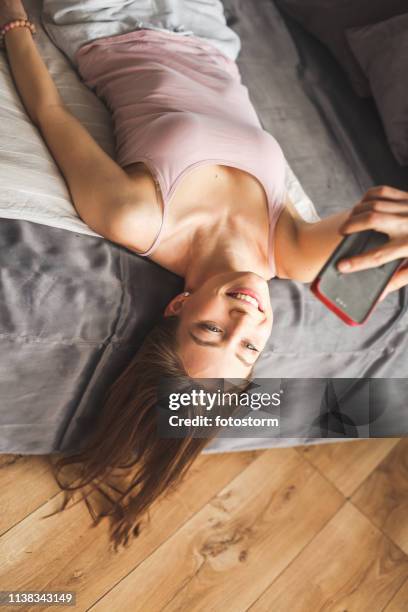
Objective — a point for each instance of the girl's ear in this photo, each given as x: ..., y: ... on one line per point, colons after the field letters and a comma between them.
x: 174, y: 307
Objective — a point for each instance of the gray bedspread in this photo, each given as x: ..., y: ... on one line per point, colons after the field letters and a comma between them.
x: 74, y: 308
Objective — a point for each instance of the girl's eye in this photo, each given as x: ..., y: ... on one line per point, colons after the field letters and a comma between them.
x: 212, y: 328
x: 251, y: 347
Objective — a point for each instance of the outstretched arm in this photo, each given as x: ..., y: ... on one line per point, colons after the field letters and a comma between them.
x: 101, y: 191
x: 302, y: 248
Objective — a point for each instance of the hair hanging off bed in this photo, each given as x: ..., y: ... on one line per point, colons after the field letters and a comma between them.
x: 125, y: 443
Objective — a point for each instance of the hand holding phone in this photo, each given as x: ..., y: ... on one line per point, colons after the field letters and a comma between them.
x: 377, y: 249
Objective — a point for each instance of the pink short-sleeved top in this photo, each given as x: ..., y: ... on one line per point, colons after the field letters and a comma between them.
x: 178, y: 103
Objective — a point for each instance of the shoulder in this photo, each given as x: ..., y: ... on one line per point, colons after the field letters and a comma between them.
x: 135, y: 218
x: 286, y: 239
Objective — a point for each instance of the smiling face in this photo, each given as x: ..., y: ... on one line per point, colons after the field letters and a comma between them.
x: 223, y: 326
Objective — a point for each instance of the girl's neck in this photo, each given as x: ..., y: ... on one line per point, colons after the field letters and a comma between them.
x: 229, y: 248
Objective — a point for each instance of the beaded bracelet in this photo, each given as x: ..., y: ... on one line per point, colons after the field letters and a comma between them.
x: 17, y: 23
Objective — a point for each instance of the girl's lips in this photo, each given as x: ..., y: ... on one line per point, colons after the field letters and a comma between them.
x: 249, y: 292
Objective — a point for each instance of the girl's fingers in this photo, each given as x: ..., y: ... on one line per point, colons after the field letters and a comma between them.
x: 394, y: 249
x: 382, y: 205
x: 400, y: 279
x: 384, y: 209
x: 385, y: 192
x: 381, y: 199
x: 380, y: 221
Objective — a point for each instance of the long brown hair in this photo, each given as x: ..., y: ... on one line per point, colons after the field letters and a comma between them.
x: 125, y: 439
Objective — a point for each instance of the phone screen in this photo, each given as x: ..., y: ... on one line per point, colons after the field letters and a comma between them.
x: 355, y: 293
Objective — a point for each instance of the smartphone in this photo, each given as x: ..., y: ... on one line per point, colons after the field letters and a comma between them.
x: 352, y: 296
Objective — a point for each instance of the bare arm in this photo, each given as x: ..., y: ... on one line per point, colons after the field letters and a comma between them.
x: 102, y: 193
x: 302, y: 248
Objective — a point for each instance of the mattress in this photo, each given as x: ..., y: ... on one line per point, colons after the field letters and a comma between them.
x: 75, y: 307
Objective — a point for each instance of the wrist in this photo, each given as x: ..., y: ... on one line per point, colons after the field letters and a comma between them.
x: 19, y: 25
x: 12, y: 16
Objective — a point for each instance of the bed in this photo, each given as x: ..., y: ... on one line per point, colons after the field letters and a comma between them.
x: 75, y: 307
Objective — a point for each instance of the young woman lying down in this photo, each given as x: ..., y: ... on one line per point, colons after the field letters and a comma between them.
x: 198, y: 187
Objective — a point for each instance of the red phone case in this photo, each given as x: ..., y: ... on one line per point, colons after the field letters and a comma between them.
x: 336, y: 309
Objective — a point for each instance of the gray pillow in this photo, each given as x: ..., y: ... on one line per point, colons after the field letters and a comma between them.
x: 328, y: 20
x: 382, y: 51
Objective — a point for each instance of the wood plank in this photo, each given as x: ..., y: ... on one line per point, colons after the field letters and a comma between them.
x: 347, y: 464
x: 64, y: 552
x: 350, y: 565
x: 26, y: 482
x: 383, y: 497
x: 399, y: 603
x: 245, y: 536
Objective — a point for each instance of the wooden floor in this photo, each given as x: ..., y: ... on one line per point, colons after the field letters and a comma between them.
x: 322, y: 528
